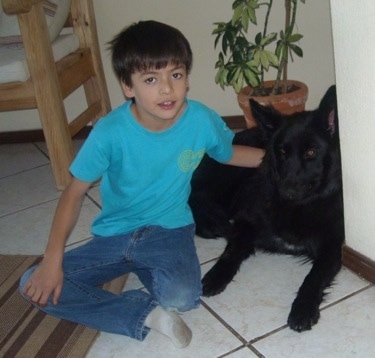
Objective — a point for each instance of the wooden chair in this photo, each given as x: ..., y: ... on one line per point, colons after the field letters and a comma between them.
x: 50, y: 83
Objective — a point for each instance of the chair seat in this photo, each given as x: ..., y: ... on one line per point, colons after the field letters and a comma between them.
x: 13, y: 63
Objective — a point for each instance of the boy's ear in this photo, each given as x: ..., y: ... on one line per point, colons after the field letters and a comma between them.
x: 127, y: 90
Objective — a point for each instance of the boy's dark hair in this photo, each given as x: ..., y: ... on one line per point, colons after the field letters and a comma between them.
x: 148, y: 44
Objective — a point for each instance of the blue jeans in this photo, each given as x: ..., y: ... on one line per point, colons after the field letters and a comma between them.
x: 165, y: 260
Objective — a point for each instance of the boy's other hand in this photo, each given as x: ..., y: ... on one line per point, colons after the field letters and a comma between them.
x: 45, y: 280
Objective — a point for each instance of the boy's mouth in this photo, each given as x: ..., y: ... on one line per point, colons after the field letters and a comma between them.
x: 167, y: 104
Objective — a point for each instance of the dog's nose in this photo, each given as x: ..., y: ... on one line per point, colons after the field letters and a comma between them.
x: 289, y: 193
x: 295, y: 191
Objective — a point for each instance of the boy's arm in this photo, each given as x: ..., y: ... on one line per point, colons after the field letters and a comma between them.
x: 48, y: 276
x: 244, y: 156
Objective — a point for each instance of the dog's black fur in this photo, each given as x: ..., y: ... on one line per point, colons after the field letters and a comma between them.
x: 291, y: 204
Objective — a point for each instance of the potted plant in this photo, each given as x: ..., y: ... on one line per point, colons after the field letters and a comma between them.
x: 242, y: 62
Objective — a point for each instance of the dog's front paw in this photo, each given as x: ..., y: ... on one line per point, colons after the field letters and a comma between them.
x: 213, y: 282
x: 303, y: 315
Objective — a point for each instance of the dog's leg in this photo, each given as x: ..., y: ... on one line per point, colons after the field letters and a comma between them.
x: 305, y: 308
x: 238, y: 249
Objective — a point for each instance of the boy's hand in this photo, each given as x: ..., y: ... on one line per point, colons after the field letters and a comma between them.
x: 45, y: 280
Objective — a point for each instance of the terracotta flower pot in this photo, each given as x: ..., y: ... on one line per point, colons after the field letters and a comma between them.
x: 287, y: 103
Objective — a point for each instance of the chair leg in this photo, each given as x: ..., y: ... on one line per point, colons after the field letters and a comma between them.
x: 60, y: 150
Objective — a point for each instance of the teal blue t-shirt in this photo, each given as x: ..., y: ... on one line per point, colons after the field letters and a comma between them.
x: 145, y: 176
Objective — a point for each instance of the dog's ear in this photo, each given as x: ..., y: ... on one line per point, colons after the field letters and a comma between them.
x: 327, y: 111
x: 267, y: 118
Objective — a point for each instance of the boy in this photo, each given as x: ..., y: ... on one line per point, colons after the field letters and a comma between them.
x: 145, y: 153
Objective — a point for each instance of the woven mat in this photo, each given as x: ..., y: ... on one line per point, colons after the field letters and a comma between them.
x: 25, y: 332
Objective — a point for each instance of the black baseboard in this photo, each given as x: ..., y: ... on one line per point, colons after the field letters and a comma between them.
x: 359, y: 264
x: 35, y: 135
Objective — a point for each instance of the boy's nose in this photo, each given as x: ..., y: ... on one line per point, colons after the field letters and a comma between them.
x: 166, y: 87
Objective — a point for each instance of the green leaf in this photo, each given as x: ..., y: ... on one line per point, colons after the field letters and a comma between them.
x: 264, y: 60
x: 245, y: 21
x: 297, y: 50
x: 237, y: 13
x: 220, y: 27
x: 258, y: 38
x: 251, y: 12
x: 268, y: 39
x: 217, y: 40
x: 236, y: 3
x: 272, y: 58
x: 218, y: 75
x: 256, y: 58
x: 226, y: 41
x: 236, y: 79
x: 253, y: 65
x: 295, y: 37
x: 237, y: 84
x: 279, y: 47
x: 221, y: 57
x: 251, y: 78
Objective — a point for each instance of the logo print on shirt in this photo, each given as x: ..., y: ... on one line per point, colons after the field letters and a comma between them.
x: 189, y: 160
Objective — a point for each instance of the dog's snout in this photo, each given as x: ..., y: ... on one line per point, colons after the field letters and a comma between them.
x: 295, y: 191
x: 289, y: 193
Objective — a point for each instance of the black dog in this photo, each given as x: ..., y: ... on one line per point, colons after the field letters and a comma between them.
x: 291, y: 204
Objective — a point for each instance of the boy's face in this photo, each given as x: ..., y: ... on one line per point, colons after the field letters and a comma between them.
x: 159, y: 96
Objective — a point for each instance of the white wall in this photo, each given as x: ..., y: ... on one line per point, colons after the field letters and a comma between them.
x: 194, y: 18
x: 354, y: 38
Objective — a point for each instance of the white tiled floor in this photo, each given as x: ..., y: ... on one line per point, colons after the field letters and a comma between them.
x: 246, y: 320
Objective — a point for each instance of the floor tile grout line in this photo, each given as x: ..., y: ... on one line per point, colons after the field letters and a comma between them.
x: 93, y: 200
x: 348, y: 296
x: 255, y: 351
x: 222, y: 321
x: 210, y: 260
x: 246, y: 346
x: 266, y: 335
x: 234, y: 350
x: 25, y: 171
x: 28, y: 208
x: 68, y: 245
x: 90, y: 197
x: 45, y: 154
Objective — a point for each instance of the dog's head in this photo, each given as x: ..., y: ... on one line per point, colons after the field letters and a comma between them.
x: 303, y: 154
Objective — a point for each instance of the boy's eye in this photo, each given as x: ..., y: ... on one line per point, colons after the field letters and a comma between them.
x: 177, y: 75
x: 150, y: 80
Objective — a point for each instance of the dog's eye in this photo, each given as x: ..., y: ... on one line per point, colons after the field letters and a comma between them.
x: 310, y: 153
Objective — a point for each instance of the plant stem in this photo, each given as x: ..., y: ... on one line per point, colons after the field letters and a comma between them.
x: 287, y: 23
x: 269, y: 7
x: 267, y: 17
x: 290, y: 19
